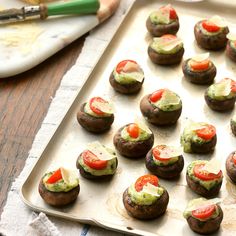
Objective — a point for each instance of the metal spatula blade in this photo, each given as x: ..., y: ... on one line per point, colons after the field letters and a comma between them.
x: 42, y: 11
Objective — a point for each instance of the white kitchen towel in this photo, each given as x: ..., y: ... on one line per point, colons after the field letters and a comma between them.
x: 17, y: 219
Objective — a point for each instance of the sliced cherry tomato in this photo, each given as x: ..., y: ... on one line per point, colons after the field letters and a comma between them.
x: 204, y: 212
x: 210, y: 26
x: 234, y: 158
x: 93, y: 161
x: 233, y: 86
x: 122, y: 64
x: 200, y: 173
x: 95, y: 109
x: 143, y: 180
x: 157, y: 152
x: 206, y: 133
x: 199, y: 66
x: 156, y: 96
x: 54, y: 177
x: 168, y: 36
x: 133, y: 130
x: 173, y: 14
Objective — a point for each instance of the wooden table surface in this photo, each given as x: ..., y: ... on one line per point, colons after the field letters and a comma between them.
x: 24, y: 101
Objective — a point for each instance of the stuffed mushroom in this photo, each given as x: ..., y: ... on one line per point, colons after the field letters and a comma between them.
x: 230, y: 166
x: 221, y: 96
x: 233, y: 124
x: 231, y: 47
x: 204, y: 216
x: 162, y: 107
x: 133, y: 140
x: 163, y: 21
x: 165, y: 161
x: 146, y: 199
x: 199, y: 69
x: 60, y: 187
x: 127, y: 77
x: 204, y: 178
x: 211, y: 33
x: 96, y: 115
x: 97, y: 162
x: 198, y: 137
x: 166, y: 50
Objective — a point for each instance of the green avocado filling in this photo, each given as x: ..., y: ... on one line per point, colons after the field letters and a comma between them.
x: 143, y: 135
x: 208, y: 184
x: 188, y: 213
x: 204, y: 31
x: 165, y: 163
x: 211, y: 93
x: 169, y: 101
x: 59, y: 186
x: 156, y: 18
x: 88, y: 111
x: 156, y: 46
x: 142, y: 198
x: 233, y: 44
x: 109, y: 170
x: 126, y: 78
x: 189, y: 136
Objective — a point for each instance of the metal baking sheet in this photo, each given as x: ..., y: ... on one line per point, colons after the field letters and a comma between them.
x: 101, y: 203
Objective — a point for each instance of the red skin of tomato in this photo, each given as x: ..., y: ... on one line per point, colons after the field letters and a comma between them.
x: 143, y: 180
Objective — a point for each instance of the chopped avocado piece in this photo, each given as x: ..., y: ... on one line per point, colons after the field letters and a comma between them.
x: 128, y: 78
x: 160, y: 17
x: 59, y: 186
x: 142, y: 198
x: 143, y: 135
x: 209, y: 184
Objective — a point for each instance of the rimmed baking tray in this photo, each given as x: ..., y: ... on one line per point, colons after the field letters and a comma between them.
x: 100, y: 203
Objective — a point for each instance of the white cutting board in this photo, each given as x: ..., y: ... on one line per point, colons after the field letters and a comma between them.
x: 25, y: 45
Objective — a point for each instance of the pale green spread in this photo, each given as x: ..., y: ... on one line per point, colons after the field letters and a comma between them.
x: 165, y: 163
x: 211, y: 93
x: 158, y: 19
x: 156, y: 46
x: 204, y: 31
x: 88, y: 111
x: 109, y: 170
x: 125, y: 78
x: 143, y: 135
x: 165, y: 104
x: 187, y: 213
x: 208, y: 184
x: 189, y: 136
x: 59, y: 186
x: 233, y: 44
x: 142, y: 198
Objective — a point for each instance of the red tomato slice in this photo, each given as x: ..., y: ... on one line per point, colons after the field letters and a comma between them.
x: 173, y: 14
x: 54, y: 177
x: 234, y: 158
x: 156, y: 96
x: 206, y: 133
x: 93, y: 161
x: 200, y: 173
x: 168, y: 36
x: 156, y: 153
x: 204, y: 212
x: 233, y: 86
x: 203, y: 65
x: 210, y: 26
x: 133, y: 130
x: 95, y: 109
x: 122, y: 64
x: 143, y: 180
